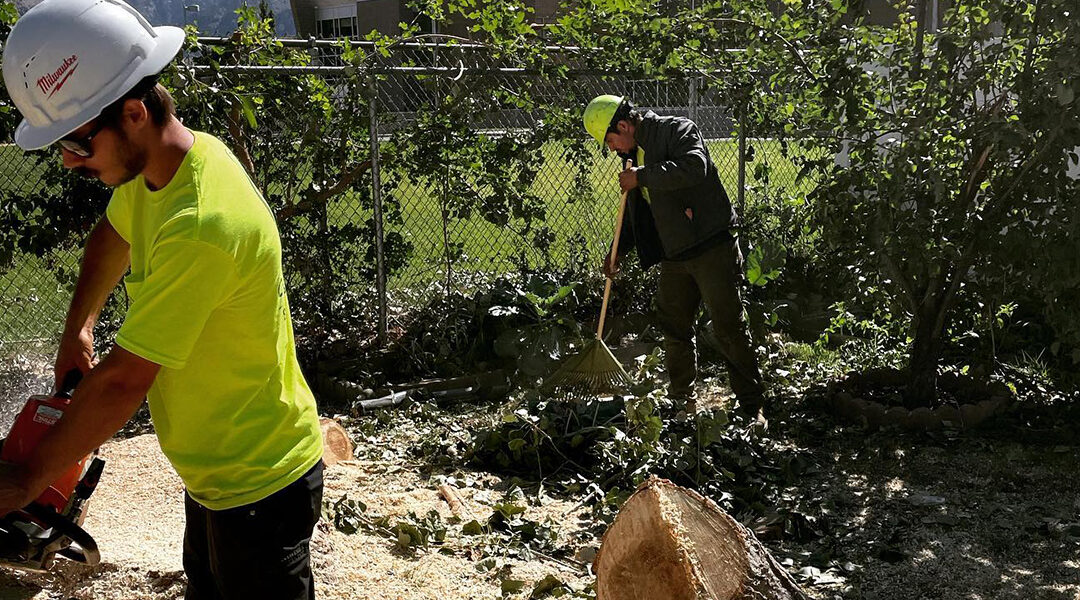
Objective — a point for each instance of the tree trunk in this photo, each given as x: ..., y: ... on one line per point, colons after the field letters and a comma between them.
x: 925, y: 356
x: 669, y: 542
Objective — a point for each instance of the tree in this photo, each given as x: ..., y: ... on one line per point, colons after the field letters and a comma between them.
x: 953, y: 147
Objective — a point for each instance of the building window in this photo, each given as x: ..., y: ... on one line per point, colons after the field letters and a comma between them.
x: 336, y: 28
x: 347, y: 27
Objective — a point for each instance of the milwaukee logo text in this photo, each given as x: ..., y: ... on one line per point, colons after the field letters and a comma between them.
x: 52, y: 82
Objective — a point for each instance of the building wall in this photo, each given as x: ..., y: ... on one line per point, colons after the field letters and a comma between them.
x: 385, y: 15
x: 304, y: 17
x: 881, y: 12
x: 379, y: 15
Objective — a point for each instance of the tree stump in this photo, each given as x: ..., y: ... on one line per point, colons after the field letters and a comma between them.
x: 337, y: 446
x: 672, y: 543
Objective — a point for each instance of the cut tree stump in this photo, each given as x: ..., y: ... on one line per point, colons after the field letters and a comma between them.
x: 672, y: 543
x: 337, y: 446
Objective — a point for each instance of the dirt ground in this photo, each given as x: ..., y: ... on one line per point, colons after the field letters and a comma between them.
x: 136, y: 516
x: 978, y: 515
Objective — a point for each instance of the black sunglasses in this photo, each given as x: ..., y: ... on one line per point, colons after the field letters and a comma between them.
x: 81, y: 146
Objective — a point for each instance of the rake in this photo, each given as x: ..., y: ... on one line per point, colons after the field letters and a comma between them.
x: 595, y: 369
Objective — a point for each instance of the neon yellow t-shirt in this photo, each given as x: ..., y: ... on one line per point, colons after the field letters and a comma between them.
x: 207, y: 302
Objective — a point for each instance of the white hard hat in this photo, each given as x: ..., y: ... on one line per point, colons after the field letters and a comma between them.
x: 66, y: 60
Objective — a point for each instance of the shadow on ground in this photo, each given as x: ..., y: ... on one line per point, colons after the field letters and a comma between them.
x: 965, y: 515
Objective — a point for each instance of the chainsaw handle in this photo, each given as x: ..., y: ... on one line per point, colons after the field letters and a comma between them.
x: 63, y: 527
x: 68, y: 383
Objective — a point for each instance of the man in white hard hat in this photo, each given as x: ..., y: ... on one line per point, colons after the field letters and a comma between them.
x: 207, y: 338
x: 679, y: 215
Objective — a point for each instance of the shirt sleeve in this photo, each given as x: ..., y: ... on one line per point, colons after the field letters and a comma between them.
x: 186, y: 282
x: 118, y: 212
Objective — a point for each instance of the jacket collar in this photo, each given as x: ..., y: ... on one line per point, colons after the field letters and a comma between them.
x: 644, y: 130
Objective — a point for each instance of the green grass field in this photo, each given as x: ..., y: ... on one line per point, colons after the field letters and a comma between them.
x: 35, y: 300
x: 491, y: 248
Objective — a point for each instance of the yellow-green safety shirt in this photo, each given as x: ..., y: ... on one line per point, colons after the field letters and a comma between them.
x: 641, y: 162
x: 207, y: 302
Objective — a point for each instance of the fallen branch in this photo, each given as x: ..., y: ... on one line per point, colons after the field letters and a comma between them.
x: 457, y: 504
x: 365, y: 407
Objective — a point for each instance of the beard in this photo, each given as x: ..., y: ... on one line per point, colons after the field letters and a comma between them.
x: 131, y: 159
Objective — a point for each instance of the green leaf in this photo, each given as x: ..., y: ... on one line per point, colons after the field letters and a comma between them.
x: 473, y: 527
x: 545, y: 587
x: 1065, y: 95
x: 248, y: 108
x: 512, y: 586
x: 765, y: 262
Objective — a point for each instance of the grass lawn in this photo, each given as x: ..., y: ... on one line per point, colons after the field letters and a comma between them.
x: 491, y: 248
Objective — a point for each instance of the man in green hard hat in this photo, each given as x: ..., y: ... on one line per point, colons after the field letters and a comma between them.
x: 679, y: 216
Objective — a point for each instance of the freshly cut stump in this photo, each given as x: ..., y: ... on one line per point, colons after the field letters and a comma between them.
x: 337, y: 446
x: 671, y: 543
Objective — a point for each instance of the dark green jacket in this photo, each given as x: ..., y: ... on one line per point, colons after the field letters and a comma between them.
x: 679, y: 175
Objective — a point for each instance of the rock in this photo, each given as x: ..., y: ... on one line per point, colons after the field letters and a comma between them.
x: 996, y: 404
x: 896, y: 415
x: 948, y: 414
x: 972, y: 415
x: 922, y: 419
x: 874, y: 415
x: 845, y: 407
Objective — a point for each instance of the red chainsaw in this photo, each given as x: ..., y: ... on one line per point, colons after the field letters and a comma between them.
x: 30, y: 538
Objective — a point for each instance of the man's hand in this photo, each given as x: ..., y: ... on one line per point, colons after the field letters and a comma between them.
x: 628, y: 179
x: 14, y: 493
x: 611, y: 267
x: 76, y: 352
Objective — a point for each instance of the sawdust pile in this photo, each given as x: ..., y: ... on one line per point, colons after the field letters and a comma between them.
x: 136, y: 515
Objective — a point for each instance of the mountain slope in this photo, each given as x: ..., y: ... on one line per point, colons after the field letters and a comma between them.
x: 214, y: 18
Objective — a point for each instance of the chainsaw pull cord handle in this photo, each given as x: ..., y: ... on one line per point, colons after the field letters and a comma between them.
x: 614, y: 256
x: 68, y: 383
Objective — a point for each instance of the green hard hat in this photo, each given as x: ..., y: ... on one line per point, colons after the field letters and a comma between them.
x: 598, y: 115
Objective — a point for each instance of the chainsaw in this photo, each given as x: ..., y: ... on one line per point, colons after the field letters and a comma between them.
x: 50, y: 525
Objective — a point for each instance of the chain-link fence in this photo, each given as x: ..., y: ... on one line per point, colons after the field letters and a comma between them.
x: 448, y: 166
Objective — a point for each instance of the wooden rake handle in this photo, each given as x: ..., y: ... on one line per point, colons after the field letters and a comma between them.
x: 613, y: 257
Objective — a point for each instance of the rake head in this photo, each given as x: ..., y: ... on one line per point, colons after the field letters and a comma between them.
x: 594, y: 370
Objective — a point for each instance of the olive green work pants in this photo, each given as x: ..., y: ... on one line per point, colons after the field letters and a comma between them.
x: 712, y: 277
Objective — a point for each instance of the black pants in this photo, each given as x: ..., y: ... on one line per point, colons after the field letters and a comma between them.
x: 259, y: 550
x: 712, y: 277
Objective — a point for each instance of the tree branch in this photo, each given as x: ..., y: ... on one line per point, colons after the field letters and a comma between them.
x: 794, y: 50
x: 319, y: 198
x: 236, y: 133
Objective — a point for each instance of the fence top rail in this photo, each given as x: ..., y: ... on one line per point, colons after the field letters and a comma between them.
x: 426, y: 41
x: 415, y: 70
x: 430, y: 41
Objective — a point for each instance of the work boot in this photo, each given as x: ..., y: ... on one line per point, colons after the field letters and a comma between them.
x: 753, y: 410
x: 684, y: 403
x: 751, y: 406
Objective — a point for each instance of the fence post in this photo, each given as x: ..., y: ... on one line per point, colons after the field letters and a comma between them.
x: 376, y: 198
x: 742, y: 161
x: 693, y: 102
